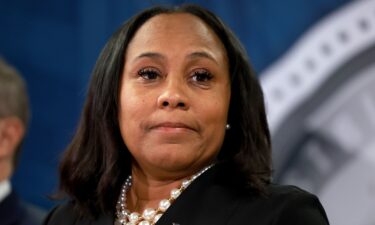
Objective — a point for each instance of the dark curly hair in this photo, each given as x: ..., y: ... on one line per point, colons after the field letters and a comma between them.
x: 96, y: 162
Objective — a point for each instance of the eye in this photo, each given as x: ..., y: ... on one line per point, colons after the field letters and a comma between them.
x: 149, y: 73
x: 201, y: 76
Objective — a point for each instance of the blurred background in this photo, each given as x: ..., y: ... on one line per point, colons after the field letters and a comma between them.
x: 315, y: 60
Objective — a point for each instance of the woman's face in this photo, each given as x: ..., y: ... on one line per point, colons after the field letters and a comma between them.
x: 174, y: 95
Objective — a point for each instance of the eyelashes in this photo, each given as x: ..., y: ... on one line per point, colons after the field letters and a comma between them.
x: 149, y: 73
x: 201, y: 75
x: 197, y: 75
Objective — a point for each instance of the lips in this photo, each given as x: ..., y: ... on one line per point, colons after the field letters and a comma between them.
x: 172, y: 126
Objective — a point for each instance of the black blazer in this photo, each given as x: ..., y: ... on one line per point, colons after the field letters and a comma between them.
x: 209, y: 200
x: 14, y: 212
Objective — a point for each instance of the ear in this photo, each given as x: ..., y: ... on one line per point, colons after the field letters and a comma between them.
x: 12, y: 131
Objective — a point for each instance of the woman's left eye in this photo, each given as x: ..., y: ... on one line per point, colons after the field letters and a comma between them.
x: 201, y: 76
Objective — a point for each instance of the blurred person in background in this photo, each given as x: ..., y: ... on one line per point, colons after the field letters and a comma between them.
x: 14, y: 116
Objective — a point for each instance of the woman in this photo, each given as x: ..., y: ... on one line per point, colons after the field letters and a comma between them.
x: 174, y: 131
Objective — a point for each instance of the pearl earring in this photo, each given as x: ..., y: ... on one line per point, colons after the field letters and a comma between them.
x: 227, y: 127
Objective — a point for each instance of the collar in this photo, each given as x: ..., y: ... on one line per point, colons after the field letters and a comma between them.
x: 5, y: 189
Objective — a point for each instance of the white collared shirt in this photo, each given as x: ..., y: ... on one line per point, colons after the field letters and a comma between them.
x: 5, y: 189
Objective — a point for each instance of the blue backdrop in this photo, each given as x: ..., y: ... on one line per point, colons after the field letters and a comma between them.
x: 54, y: 44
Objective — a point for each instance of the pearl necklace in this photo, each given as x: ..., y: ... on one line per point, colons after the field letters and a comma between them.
x: 149, y: 216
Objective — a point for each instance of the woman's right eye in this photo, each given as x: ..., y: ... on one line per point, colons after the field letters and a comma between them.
x: 149, y: 73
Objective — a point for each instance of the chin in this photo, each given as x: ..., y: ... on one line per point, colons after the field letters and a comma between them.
x: 173, y: 161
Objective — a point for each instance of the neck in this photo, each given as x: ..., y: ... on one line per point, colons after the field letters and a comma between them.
x: 147, y: 191
x: 148, y: 197
x: 5, y: 169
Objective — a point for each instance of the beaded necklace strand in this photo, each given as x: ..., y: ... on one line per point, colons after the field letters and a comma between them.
x: 150, y: 215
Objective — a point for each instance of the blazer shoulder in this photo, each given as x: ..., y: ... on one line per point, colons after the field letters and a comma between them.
x: 296, y: 206
x: 281, y: 205
x: 282, y: 191
x: 62, y: 214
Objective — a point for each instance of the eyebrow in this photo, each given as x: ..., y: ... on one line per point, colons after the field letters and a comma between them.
x: 150, y: 55
x: 202, y: 54
x: 193, y: 55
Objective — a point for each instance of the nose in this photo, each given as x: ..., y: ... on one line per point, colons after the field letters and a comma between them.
x: 173, y: 96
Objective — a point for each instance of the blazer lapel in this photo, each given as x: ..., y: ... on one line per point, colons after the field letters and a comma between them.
x: 202, y: 203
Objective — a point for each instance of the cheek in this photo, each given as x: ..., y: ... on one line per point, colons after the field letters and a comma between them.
x: 130, y: 114
x: 216, y: 109
x: 214, y: 116
x: 132, y: 103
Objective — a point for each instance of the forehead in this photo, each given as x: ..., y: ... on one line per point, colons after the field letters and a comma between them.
x: 179, y: 22
x: 178, y: 30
